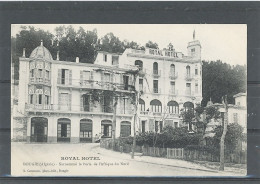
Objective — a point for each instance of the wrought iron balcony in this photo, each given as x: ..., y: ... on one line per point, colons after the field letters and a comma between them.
x: 173, y: 92
x: 189, y: 77
x: 34, y: 107
x: 173, y: 75
x: 156, y: 90
x: 156, y: 73
x: 40, y: 80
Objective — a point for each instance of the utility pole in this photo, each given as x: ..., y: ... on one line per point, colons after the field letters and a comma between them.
x: 135, y: 114
x: 114, y: 117
x: 222, y: 140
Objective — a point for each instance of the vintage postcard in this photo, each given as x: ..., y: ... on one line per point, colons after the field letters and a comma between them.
x: 129, y: 100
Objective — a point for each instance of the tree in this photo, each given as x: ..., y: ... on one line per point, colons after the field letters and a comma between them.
x: 220, y: 79
x: 151, y: 45
x: 111, y: 43
x: 188, y: 116
x: 222, y: 140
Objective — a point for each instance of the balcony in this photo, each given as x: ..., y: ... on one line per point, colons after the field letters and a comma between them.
x: 86, y: 83
x: 156, y: 91
x: 33, y: 107
x: 157, y: 113
x: 189, y: 93
x: 189, y: 77
x: 173, y: 75
x: 34, y: 80
x: 156, y: 73
x: 142, y: 90
x: 173, y: 92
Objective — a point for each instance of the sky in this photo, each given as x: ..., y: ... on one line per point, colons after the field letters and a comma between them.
x: 225, y: 42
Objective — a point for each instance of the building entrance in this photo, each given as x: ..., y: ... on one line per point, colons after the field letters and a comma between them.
x: 39, y: 129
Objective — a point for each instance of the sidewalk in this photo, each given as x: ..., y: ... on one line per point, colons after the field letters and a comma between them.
x: 163, y: 161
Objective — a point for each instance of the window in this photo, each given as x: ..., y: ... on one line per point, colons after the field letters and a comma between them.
x: 139, y: 64
x: 32, y: 72
x: 107, y: 106
x: 172, y: 89
x: 175, y: 124
x: 63, y: 75
x: 196, y: 71
x: 193, y: 50
x: 126, y: 82
x: 172, y: 70
x: 141, y: 84
x: 143, y: 126
x: 64, y: 130
x: 86, y: 102
x: 47, y: 75
x: 47, y: 100
x: 64, y: 101
x: 188, y: 106
x: 156, y: 126
x: 235, y: 117
x: 40, y: 73
x: 86, y: 75
x: 115, y: 60
x: 31, y: 99
x: 188, y: 88
x: 188, y: 71
x: 141, y: 105
x: 85, y: 130
x: 155, y: 86
x: 196, y: 88
x: 156, y: 106
x: 125, y: 129
x: 105, y: 58
x: 106, y: 128
x: 40, y: 99
x: 173, y: 107
x: 155, y: 68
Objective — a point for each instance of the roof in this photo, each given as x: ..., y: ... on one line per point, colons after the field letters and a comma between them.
x: 239, y: 94
x: 41, y: 52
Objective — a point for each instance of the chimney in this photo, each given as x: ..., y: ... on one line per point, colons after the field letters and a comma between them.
x: 77, y: 59
x: 23, y: 52
x: 58, y: 55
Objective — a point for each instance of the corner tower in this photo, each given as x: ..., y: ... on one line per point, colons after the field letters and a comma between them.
x: 194, y: 48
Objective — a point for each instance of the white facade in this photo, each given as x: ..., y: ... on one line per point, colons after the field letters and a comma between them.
x: 58, y: 101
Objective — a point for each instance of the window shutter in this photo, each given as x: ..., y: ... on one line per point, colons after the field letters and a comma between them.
x: 59, y: 76
x: 112, y: 78
x: 121, y: 81
x: 69, y: 101
x: 70, y: 77
x: 81, y: 102
x: 59, y: 101
x: 81, y: 77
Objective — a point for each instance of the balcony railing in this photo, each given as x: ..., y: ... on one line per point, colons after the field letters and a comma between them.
x: 189, y: 77
x: 189, y: 93
x: 38, y: 107
x: 156, y: 90
x: 156, y: 73
x: 40, y: 80
x: 173, y: 75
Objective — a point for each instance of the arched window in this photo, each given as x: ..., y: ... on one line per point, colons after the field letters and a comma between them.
x: 188, y: 106
x: 139, y: 63
x: 156, y: 106
x: 64, y: 130
x: 172, y: 69
x: 141, y: 105
x: 188, y: 70
x: 155, y: 68
x: 39, y: 129
x: 173, y: 107
x: 86, y: 133
x: 106, y: 128
x: 125, y: 129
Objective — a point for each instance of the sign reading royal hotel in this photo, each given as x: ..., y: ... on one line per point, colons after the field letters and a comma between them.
x: 57, y: 99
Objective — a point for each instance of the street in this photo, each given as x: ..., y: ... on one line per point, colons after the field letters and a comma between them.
x: 91, y: 160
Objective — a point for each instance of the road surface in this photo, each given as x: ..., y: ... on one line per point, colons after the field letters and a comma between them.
x: 90, y: 160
